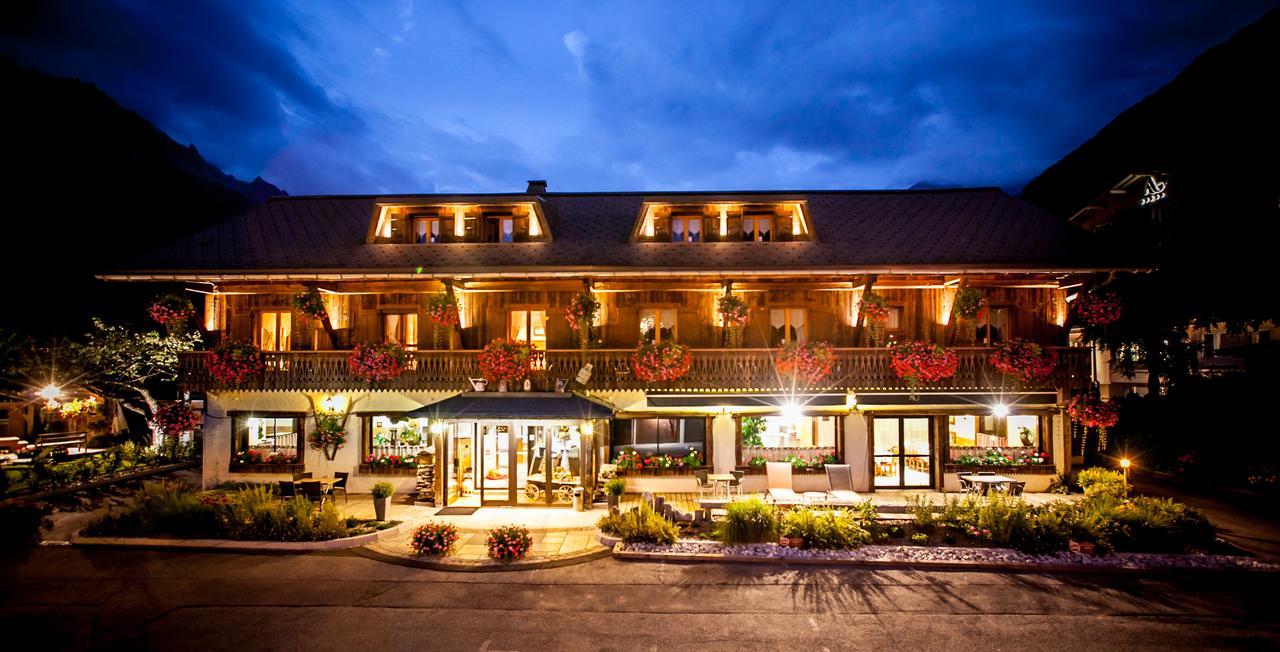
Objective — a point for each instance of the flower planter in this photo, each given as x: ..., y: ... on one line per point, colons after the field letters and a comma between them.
x: 1028, y: 469
x: 760, y: 470
x: 370, y: 469
x: 286, y: 469
x: 681, y: 471
x: 380, y: 507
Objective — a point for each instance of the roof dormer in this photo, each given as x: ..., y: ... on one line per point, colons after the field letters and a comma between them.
x: 698, y: 219
x: 493, y: 219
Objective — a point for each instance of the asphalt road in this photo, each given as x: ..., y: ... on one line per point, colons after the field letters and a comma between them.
x: 68, y: 598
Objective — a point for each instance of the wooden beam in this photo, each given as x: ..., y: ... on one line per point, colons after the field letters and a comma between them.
x: 868, y: 285
x: 950, y: 337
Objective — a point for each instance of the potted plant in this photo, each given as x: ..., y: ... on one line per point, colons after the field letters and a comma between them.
x: 381, y: 498
x: 921, y: 362
x: 433, y: 539
x: 442, y: 311
x: 875, y: 314
x: 580, y: 314
x: 509, y: 542
x: 504, y: 361
x: 810, y: 362
x: 172, y: 311
x: 329, y: 435
x: 234, y: 363
x: 374, y: 362
x: 1026, y: 361
x: 661, y: 362
x: 613, y: 490
x: 733, y: 312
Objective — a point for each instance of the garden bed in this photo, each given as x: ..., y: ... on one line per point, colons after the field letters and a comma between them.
x: 368, y: 532
x: 934, y: 556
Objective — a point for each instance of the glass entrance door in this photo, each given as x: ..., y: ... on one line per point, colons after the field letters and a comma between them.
x: 497, y: 461
x: 901, y: 450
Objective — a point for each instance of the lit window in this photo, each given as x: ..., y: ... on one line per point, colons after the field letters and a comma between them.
x: 787, y: 325
x: 529, y: 326
x: 507, y: 229
x: 686, y: 229
x: 426, y: 230
x: 657, y: 324
x: 275, y: 331
x: 993, y: 325
x: 758, y: 228
x: 967, y: 431
x: 400, y: 328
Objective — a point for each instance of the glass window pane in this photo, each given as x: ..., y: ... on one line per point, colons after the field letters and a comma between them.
x: 538, y: 321
x: 748, y: 228
x: 695, y: 230
x: 508, y: 229
x: 668, y: 432
x: 886, y: 437
x: 963, y: 430
x: 267, y: 332
x: 915, y: 436
x: 1023, y: 430
x: 799, y: 327
x: 648, y: 324
x: 519, y: 330
x: 764, y: 225
x: 887, y: 472
x: 677, y: 229
x: 420, y: 230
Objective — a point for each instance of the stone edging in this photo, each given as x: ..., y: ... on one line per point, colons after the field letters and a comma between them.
x: 484, y: 565
x: 1006, y: 567
x: 233, y: 545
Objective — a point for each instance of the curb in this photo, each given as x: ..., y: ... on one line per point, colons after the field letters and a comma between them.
x: 1016, y: 567
x: 484, y: 566
x: 231, y: 545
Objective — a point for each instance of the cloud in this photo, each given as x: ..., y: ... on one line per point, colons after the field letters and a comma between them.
x: 576, y: 43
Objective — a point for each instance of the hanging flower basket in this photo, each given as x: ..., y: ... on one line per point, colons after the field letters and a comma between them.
x: 661, y: 362
x: 923, y: 362
x: 733, y: 311
x: 172, y: 311
x: 967, y: 302
x: 328, y: 436
x: 79, y: 408
x: 311, y: 304
x: 580, y: 314
x: 375, y: 362
x: 811, y: 362
x: 873, y: 308
x: 1093, y: 412
x: 442, y: 310
x: 507, y: 360
x: 234, y: 363
x: 173, y: 419
x: 1027, y: 361
x: 1098, y: 308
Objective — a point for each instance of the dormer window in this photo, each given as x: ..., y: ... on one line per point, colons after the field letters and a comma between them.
x: 496, y: 222
x: 723, y: 222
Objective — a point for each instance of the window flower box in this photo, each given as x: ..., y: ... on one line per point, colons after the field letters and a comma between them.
x: 1014, y: 469
x: 668, y: 472
x: 286, y: 469
x: 760, y: 470
x: 379, y: 469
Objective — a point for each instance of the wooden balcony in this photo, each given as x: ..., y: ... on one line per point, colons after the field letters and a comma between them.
x: 713, y: 370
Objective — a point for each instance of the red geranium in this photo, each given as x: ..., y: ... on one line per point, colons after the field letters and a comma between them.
x: 442, y: 310
x: 812, y: 361
x: 873, y: 308
x: 733, y: 310
x: 1098, y: 308
x: 1026, y: 360
x: 173, y: 311
x: 235, y: 363
x: 509, y: 542
x: 374, y: 362
x: 581, y: 311
x: 433, y: 538
x: 661, y: 362
x: 1093, y: 412
x: 311, y: 304
x: 504, y: 359
x: 173, y: 419
x: 922, y: 362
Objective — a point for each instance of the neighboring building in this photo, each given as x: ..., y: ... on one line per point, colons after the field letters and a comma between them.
x: 657, y: 262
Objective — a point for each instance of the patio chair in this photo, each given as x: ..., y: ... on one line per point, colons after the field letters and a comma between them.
x: 703, y: 483
x: 779, y: 476
x: 840, y: 484
x: 340, y: 485
x: 735, y: 485
x: 301, y: 475
x: 1016, y: 488
x: 287, y: 490
x: 314, y: 491
x: 967, y: 486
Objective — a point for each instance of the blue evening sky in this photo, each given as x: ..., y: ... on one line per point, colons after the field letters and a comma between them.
x: 404, y: 96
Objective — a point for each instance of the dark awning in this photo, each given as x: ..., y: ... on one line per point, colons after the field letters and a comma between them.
x: 513, y: 405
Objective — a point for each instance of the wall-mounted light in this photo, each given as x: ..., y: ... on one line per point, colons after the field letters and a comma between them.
x: 459, y: 221
x: 329, y: 404
x: 50, y: 392
x: 724, y: 221
x: 1000, y: 410
x: 792, y: 412
x: 587, y: 428
x: 437, y: 428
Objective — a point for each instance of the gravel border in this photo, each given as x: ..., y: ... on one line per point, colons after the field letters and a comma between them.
x: 936, y: 557
x: 233, y: 545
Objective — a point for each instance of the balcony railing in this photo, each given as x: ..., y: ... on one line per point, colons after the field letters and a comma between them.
x: 713, y: 369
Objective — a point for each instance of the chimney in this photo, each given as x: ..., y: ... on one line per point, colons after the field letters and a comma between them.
x: 536, y: 187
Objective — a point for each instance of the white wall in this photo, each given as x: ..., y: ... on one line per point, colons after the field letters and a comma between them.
x: 724, y: 443
x: 855, y: 450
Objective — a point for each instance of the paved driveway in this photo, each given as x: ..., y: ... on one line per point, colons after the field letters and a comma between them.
x: 72, y: 598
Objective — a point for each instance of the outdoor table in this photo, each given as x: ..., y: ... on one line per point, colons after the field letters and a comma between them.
x: 327, y: 483
x: 721, y: 479
x: 987, y: 481
x: 814, y: 497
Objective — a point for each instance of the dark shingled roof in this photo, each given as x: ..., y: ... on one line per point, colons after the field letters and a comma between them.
x: 977, y: 227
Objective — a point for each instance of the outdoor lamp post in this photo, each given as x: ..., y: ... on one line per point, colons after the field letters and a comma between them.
x: 1124, y: 467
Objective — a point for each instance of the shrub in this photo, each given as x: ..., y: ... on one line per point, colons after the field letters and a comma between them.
x: 509, y: 542
x: 920, y: 507
x: 828, y: 529
x: 435, y: 539
x: 1145, y: 524
x: 1097, y: 481
x: 748, y: 521
x: 382, y: 490
x: 641, y: 525
x: 615, y: 486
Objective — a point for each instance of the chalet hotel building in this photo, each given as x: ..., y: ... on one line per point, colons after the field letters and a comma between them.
x: 845, y: 275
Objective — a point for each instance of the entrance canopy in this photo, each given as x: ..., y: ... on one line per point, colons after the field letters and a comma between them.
x: 513, y: 405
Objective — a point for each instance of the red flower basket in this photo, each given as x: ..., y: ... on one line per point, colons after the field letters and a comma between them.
x: 1098, y: 308
x: 375, y: 362
x: 442, y: 310
x: 235, y: 363
x: 311, y: 304
x: 812, y: 361
x: 581, y: 311
x: 504, y: 359
x: 509, y: 542
x: 873, y: 308
x: 733, y: 311
x: 433, y: 539
x: 173, y: 419
x: 661, y: 362
x: 172, y: 311
x: 1027, y: 361
x: 1093, y: 412
x: 923, y: 362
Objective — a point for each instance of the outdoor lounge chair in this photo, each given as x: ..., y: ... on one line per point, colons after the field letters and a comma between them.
x: 840, y: 484
x: 779, y: 475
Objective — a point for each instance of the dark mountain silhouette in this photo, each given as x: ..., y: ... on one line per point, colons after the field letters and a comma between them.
x: 88, y: 183
x: 1215, y: 123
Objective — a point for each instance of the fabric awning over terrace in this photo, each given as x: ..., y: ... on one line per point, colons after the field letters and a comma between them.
x: 497, y: 405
